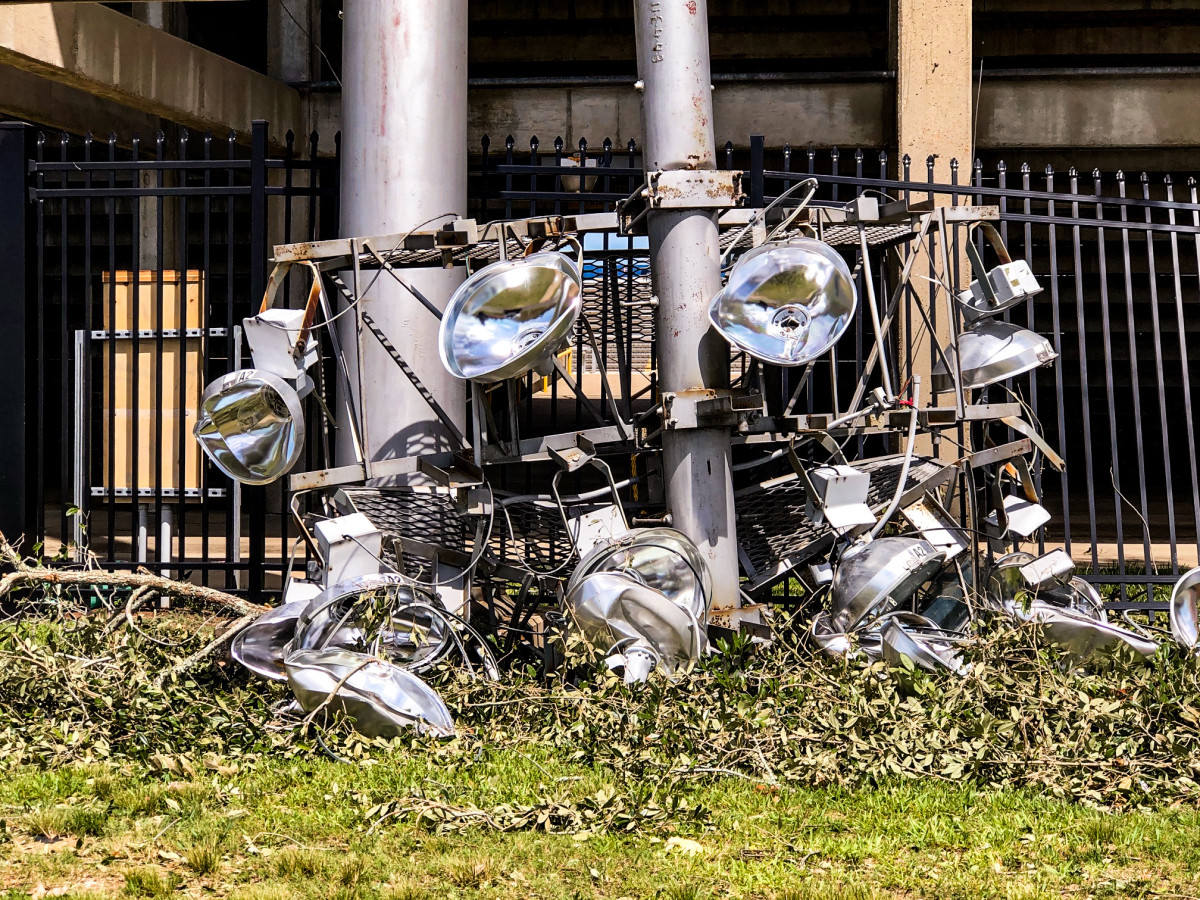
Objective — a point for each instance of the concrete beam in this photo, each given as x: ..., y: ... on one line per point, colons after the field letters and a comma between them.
x: 1090, y: 111
x: 845, y: 114
x: 101, y: 52
x: 24, y: 95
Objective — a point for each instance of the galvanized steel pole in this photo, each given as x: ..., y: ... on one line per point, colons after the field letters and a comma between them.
x: 673, y: 64
x: 404, y: 160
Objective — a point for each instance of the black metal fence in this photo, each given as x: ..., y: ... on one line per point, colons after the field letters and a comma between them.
x: 131, y: 265
x: 138, y: 261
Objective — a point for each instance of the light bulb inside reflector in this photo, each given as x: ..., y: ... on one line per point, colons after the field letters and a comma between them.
x: 786, y: 304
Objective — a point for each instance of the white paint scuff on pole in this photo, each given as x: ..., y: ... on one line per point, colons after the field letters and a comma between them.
x: 673, y: 65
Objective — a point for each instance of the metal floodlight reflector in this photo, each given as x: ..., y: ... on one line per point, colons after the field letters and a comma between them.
x: 614, y: 611
x: 382, y: 699
x: 991, y: 351
x: 881, y: 574
x: 1184, y: 610
x: 660, y: 558
x: 510, y: 317
x: 262, y: 645
x: 382, y: 615
x: 786, y: 304
x: 251, y: 426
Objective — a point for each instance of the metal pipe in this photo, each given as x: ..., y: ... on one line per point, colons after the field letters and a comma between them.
x: 404, y: 162
x: 404, y: 143
x: 673, y: 63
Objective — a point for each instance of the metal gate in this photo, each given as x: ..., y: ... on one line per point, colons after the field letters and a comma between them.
x: 143, y: 258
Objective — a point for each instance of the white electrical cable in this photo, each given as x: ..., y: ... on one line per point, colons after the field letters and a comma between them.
x: 908, y: 455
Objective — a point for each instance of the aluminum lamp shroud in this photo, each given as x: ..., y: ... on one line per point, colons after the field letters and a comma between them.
x: 786, y: 304
x: 1185, y: 606
x: 881, y: 574
x: 262, y: 645
x: 924, y: 650
x: 611, y: 609
x: 510, y: 317
x: 383, y: 615
x: 1081, y: 636
x: 251, y: 426
x: 992, y: 350
x: 661, y: 558
x: 384, y: 700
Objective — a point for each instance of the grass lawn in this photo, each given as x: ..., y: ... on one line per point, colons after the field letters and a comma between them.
x: 302, y: 828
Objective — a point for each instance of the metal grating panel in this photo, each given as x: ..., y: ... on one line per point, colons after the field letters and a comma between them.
x: 775, y: 535
x: 426, y: 517
x: 530, y: 535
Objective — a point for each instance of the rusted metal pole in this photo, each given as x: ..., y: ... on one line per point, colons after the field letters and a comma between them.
x: 673, y: 64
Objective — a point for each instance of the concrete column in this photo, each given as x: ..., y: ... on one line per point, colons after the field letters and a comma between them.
x: 404, y: 140
x: 931, y: 52
x: 289, y: 40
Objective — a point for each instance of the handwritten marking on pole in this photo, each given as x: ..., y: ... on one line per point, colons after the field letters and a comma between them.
x: 656, y: 28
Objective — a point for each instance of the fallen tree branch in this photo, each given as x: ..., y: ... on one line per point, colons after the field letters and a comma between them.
x: 25, y: 575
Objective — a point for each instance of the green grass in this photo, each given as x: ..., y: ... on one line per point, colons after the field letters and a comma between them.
x: 299, y: 829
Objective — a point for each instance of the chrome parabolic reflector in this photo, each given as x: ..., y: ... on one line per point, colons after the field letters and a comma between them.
x: 510, y: 317
x: 993, y: 350
x: 1185, y: 606
x: 881, y: 574
x: 612, y: 609
x: 380, y: 615
x: 251, y: 426
x: 786, y: 304
x: 660, y: 558
x: 382, y: 699
x: 262, y: 645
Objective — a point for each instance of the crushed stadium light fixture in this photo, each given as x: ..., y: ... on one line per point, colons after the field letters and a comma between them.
x: 251, y: 426
x: 1185, y: 609
x: 1082, y: 636
x: 615, y: 612
x: 660, y: 558
x: 992, y: 351
x: 262, y: 645
x: 924, y: 648
x: 786, y: 304
x: 382, y: 615
x: 383, y: 700
x: 510, y: 317
x: 872, y: 578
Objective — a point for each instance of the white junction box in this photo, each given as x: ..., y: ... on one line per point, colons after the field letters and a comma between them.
x: 1011, y: 283
x: 841, y: 497
x: 350, y: 546
x: 272, y: 336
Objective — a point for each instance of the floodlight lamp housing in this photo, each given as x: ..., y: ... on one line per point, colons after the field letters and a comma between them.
x: 510, y: 318
x: 786, y: 304
x: 251, y: 426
